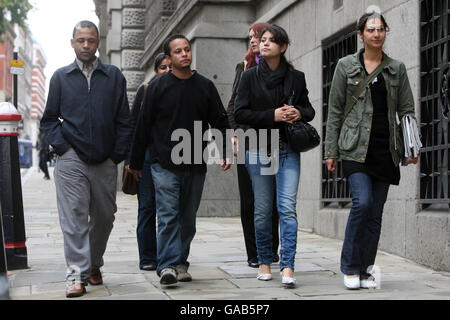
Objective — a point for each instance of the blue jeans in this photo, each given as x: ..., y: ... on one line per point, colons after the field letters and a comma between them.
x: 364, y: 224
x: 146, y: 224
x: 178, y: 196
x: 287, y: 180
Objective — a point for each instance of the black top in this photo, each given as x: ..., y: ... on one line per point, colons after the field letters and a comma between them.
x: 256, y: 102
x: 230, y: 109
x: 379, y: 163
x: 170, y: 104
x: 135, y: 111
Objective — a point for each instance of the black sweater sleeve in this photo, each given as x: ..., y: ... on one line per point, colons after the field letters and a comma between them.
x: 217, y: 117
x: 135, y: 109
x: 142, y: 131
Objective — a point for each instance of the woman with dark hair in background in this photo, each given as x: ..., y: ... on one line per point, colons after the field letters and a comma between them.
x: 251, y: 59
x: 146, y: 224
x: 262, y: 100
x: 368, y: 140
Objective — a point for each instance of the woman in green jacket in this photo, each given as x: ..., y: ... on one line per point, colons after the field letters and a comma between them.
x: 369, y: 142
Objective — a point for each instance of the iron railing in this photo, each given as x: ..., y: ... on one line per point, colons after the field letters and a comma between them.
x: 434, y: 102
x: 335, y: 188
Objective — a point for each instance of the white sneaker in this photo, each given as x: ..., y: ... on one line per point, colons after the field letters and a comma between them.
x: 264, y: 277
x: 352, y: 283
x: 168, y: 276
x: 368, y: 283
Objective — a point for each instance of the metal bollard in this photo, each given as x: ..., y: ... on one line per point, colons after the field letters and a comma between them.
x: 11, y: 189
x: 4, y: 284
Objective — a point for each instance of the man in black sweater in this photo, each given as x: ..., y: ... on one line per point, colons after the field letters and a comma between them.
x: 179, y: 101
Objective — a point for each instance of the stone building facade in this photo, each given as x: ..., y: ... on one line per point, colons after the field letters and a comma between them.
x: 416, y: 221
x: 6, y: 54
x: 24, y: 46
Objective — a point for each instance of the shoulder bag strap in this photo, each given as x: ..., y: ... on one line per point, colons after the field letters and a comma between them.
x: 362, y: 86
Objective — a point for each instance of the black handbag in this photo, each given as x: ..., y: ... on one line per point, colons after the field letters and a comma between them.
x: 129, y: 184
x: 301, y: 135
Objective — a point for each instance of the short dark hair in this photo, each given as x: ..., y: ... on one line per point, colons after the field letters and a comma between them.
x: 166, y: 45
x: 361, y: 24
x: 85, y: 24
x: 159, y: 58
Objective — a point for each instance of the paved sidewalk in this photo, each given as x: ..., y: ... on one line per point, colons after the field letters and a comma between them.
x: 218, y: 263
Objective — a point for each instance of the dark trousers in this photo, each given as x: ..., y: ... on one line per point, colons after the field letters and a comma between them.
x: 364, y: 224
x: 43, y: 164
x: 146, y: 224
x: 248, y: 214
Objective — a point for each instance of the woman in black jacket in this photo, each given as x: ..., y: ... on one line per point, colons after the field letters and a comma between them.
x: 262, y: 103
x: 251, y: 59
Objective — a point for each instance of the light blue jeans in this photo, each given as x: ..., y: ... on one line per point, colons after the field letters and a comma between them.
x: 287, y: 180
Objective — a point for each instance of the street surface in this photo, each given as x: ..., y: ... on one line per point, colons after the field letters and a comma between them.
x: 218, y: 262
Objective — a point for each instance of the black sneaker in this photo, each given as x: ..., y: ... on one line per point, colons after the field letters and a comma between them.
x: 148, y: 267
x: 276, y: 258
x: 168, y: 276
x: 253, y: 263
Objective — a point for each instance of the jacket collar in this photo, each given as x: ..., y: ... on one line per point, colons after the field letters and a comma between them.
x: 357, y: 64
x: 74, y: 66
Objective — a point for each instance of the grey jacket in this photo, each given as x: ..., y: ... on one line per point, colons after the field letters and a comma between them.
x: 348, y: 138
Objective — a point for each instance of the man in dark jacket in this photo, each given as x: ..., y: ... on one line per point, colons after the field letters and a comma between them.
x: 86, y: 121
x: 179, y: 100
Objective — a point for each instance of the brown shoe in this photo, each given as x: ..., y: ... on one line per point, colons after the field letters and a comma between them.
x: 95, y: 277
x: 75, y: 290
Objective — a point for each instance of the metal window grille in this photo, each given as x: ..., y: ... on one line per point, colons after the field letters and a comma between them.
x: 435, y: 90
x: 335, y: 188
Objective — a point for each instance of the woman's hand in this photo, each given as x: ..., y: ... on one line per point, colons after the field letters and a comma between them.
x: 332, y: 165
x: 136, y: 173
x: 413, y: 160
x: 235, y: 142
x: 287, y: 114
x: 293, y: 114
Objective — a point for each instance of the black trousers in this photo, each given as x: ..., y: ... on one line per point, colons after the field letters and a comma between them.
x: 43, y: 164
x: 248, y: 214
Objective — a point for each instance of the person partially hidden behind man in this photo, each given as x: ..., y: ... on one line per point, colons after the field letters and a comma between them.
x: 174, y: 101
x: 86, y: 120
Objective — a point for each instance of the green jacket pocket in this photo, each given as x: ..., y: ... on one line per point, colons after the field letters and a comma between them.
x: 348, y: 137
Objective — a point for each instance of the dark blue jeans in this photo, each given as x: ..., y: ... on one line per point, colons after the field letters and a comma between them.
x: 146, y: 224
x: 178, y: 196
x: 364, y: 224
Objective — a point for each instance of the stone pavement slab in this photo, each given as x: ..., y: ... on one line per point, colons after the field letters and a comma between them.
x: 218, y: 263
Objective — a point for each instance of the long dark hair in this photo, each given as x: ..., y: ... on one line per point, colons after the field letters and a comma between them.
x: 159, y: 58
x: 280, y: 37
